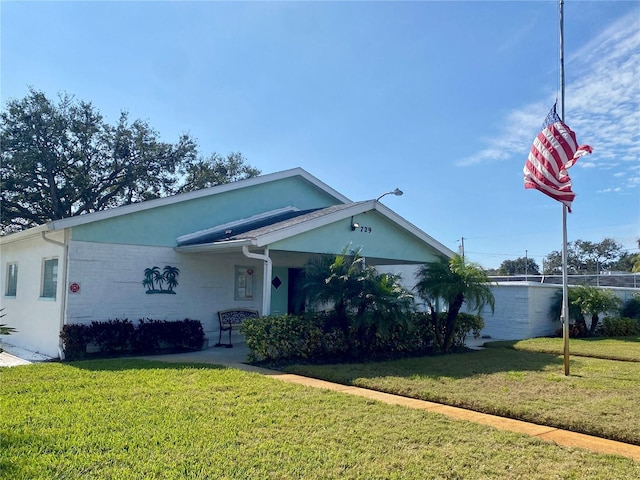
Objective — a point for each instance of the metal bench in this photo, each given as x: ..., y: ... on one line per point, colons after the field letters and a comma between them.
x: 233, y: 318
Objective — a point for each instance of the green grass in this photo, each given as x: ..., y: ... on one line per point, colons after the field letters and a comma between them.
x: 623, y: 348
x: 600, y: 397
x: 122, y: 419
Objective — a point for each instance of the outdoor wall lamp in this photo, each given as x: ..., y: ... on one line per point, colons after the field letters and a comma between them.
x: 354, y: 225
x: 397, y: 192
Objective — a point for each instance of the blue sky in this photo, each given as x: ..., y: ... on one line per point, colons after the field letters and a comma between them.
x: 440, y: 99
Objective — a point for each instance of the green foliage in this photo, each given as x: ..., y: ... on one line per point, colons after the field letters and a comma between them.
x: 62, y: 159
x: 455, y: 282
x: 75, y: 339
x: 466, y: 324
x: 217, y: 170
x: 4, y: 328
x: 594, y: 301
x: 620, y: 327
x: 585, y: 301
x: 301, y: 337
x: 555, y: 309
x: 585, y: 257
x: 122, y: 337
x: 317, y: 338
x: 365, y: 303
x: 631, y: 308
x: 519, y: 266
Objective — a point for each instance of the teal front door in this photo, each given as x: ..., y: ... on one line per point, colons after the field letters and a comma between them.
x: 279, y: 290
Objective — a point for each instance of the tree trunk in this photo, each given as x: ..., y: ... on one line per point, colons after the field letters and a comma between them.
x: 594, y: 325
x: 450, y: 327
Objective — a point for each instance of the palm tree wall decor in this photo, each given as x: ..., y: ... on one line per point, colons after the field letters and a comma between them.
x: 153, y: 276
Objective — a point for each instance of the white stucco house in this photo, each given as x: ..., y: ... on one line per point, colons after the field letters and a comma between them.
x: 242, y: 244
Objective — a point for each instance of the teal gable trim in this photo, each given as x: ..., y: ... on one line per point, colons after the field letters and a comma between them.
x: 384, y: 240
x: 160, y: 226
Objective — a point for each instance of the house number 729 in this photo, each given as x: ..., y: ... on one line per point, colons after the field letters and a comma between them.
x: 366, y: 229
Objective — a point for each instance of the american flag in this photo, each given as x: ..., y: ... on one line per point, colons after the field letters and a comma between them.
x: 554, y: 150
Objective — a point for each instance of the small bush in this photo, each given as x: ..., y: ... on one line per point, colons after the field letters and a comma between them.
x: 75, y: 339
x: 631, y: 308
x: 576, y: 330
x: 300, y: 337
x: 122, y: 337
x: 621, y: 327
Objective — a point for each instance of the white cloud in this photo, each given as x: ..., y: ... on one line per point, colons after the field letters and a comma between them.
x: 609, y: 190
x: 602, y: 105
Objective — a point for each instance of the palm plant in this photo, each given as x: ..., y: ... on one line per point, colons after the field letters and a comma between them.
x: 455, y: 283
x: 4, y: 328
x: 335, y: 280
x: 364, y: 301
x: 593, y: 301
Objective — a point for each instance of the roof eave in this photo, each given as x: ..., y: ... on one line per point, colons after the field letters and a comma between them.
x: 217, y: 247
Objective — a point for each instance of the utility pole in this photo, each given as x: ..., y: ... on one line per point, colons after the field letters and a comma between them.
x: 462, y: 248
x: 526, y: 265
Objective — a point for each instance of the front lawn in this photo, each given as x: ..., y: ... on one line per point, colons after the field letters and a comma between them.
x: 121, y: 419
x: 600, y: 397
x: 621, y: 348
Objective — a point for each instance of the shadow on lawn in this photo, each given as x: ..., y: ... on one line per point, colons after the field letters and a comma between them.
x: 457, y: 366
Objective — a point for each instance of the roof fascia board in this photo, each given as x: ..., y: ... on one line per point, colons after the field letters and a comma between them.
x: 24, y: 234
x: 182, y: 197
x: 218, y: 247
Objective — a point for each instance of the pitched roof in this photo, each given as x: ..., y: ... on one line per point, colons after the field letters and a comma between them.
x: 251, y: 234
x: 173, y: 199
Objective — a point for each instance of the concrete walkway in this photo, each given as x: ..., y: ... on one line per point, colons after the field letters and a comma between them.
x: 236, y: 358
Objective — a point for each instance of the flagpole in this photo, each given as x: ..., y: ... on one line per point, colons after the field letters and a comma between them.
x: 565, y: 284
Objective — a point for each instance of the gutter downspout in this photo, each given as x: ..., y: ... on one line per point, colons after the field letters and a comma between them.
x: 65, y: 273
x: 266, y: 278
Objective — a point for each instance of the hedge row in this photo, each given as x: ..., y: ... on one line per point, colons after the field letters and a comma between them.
x: 122, y: 337
x: 316, y: 338
x: 610, y: 327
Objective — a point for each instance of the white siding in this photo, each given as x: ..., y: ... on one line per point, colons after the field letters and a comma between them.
x: 36, y: 319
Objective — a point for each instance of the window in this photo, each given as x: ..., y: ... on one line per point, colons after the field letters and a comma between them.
x: 244, y: 283
x: 50, y: 278
x: 12, y: 280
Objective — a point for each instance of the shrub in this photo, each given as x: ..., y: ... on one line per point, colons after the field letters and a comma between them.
x: 300, y: 337
x: 113, y: 336
x: 75, y: 339
x: 631, y: 308
x: 621, y: 327
x: 122, y: 337
x: 319, y: 338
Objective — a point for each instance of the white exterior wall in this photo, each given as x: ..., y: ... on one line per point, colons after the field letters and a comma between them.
x: 36, y: 319
x: 521, y: 311
x: 110, y: 278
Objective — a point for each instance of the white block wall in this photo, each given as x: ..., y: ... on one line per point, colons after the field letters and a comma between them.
x: 110, y: 278
x: 521, y: 311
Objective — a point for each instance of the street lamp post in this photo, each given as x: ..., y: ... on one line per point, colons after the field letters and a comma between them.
x: 397, y: 192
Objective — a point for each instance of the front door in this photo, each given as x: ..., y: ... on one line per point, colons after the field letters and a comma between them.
x: 285, y: 291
